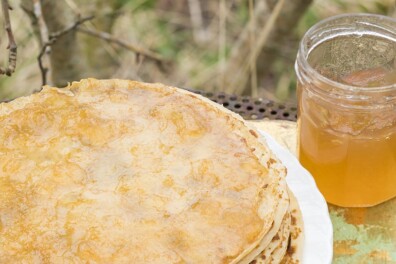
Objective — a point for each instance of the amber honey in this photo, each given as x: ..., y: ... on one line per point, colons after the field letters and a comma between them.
x: 347, y: 110
x: 348, y: 170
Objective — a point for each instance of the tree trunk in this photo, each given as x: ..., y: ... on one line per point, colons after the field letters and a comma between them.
x: 67, y: 60
x: 99, y: 53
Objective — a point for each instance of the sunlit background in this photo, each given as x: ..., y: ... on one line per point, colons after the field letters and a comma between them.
x: 238, y: 47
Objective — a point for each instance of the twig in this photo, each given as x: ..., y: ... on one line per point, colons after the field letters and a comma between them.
x: 52, y: 39
x: 113, y: 13
x: 222, y: 42
x: 68, y: 29
x: 253, y: 68
x: 42, y: 36
x: 43, y: 30
x: 132, y: 47
x: 12, y: 47
x: 237, y: 82
x: 30, y: 13
x: 263, y: 36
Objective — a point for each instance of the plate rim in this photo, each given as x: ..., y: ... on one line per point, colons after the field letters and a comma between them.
x: 313, y: 206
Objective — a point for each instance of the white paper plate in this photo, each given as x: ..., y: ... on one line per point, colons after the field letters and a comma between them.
x: 318, y: 230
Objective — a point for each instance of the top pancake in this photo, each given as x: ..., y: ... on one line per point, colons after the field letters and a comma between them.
x: 110, y: 171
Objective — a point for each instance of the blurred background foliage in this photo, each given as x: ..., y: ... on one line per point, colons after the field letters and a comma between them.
x: 198, y: 38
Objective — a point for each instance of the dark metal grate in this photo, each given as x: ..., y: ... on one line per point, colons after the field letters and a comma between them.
x: 252, y: 108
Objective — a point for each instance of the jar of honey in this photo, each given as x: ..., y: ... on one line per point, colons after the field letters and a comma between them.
x: 346, y: 71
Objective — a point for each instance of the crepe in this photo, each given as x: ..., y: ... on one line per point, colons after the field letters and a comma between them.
x: 286, y: 246
x: 294, y: 252
x: 275, y: 251
x: 279, y: 223
x: 113, y: 171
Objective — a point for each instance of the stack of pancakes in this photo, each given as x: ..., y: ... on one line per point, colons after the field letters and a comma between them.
x: 113, y: 171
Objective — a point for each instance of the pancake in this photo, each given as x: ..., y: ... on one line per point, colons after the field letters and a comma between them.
x: 114, y: 171
x: 275, y: 251
x: 294, y: 252
x: 278, y: 224
x: 286, y: 246
x: 279, y: 249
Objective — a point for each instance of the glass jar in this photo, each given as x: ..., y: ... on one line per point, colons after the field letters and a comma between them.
x: 346, y: 70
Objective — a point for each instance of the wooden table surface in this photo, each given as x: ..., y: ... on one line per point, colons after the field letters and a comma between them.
x: 361, y: 235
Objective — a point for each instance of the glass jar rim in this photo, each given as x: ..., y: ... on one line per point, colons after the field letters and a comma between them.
x: 303, y: 54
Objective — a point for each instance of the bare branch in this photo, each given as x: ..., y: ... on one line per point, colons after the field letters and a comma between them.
x: 271, y: 29
x: 52, y: 39
x: 132, y: 47
x: 30, y: 13
x: 12, y: 47
x: 240, y: 72
x: 222, y: 42
x: 43, y: 69
x: 58, y: 34
x: 253, y: 68
x: 99, y: 34
x: 282, y: 38
x: 43, y: 30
